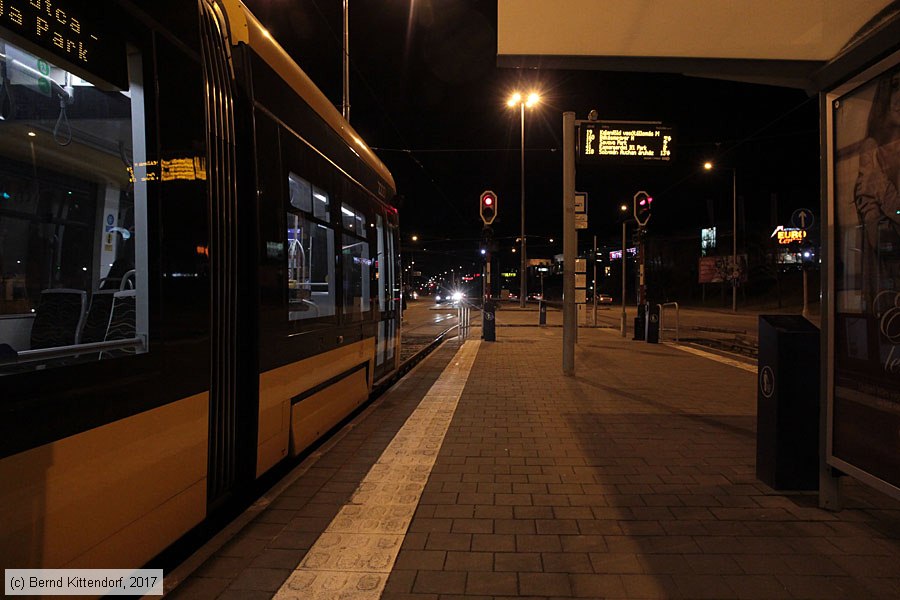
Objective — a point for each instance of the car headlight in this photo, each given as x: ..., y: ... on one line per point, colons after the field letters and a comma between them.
x: 437, y: 297
x: 457, y: 296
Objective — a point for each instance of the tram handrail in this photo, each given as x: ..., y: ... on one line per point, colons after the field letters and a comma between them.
x: 26, y: 356
x: 662, y: 313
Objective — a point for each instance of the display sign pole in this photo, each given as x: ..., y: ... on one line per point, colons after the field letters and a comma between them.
x: 624, y: 255
x: 569, y: 244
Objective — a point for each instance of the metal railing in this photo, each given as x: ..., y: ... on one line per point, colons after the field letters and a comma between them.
x: 463, y: 320
x: 662, y: 319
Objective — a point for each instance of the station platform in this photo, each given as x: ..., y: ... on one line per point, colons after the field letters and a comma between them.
x: 487, y: 473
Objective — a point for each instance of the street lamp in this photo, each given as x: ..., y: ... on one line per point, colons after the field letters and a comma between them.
x: 517, y: 99
x: 709, y: 166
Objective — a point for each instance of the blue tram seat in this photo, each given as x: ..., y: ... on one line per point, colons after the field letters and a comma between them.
x: 59, y: 318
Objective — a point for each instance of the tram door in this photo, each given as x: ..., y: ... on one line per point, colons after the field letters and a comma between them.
x: 231, y: 415
x: 387, y: 336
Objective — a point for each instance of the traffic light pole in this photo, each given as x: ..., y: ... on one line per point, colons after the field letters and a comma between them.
x: 595, y: 282
x: 642, y: 286
x: 486, y: 235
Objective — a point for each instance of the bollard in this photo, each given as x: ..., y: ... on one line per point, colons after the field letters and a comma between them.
x: 652, y: 320
x: 488, y: 323
x: 542, y: 319
x: 639, y: 322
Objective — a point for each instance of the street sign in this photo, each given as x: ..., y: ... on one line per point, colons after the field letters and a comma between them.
x: 580, y: 221
x: 624, y: 142
x: 581, y: 204
x: 802, y: 218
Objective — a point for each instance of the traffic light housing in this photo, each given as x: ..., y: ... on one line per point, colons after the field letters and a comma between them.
x: 642, y: 203
x: 488, y: 207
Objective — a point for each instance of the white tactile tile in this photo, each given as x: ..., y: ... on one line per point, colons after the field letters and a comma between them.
x: 353, y: 558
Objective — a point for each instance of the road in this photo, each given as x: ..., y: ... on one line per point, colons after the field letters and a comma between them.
x: 423, y: 321
x: 723, y: 329
x: 737, y: 331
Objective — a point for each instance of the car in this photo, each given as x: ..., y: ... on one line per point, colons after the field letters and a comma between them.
x: 443, y: 296
x: 604, y: 299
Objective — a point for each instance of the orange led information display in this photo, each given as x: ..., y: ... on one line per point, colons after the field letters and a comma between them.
x: 67, y: 28
x: 624, y: 142
x: 173, y: 169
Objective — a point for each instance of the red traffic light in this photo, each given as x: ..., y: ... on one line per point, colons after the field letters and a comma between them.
x: 488, y: 207
x: 642, y: 201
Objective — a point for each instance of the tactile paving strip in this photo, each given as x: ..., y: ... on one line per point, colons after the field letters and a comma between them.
x: 353, y: 558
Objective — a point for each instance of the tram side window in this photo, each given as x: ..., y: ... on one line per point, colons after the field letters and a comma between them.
x: 310, y: 241
x: 70, y: 251
x: 356, y: 264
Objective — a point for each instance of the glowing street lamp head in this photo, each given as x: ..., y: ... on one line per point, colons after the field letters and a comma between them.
x: 514, y: 100
x: 533, y: 99
x: 708, y: 166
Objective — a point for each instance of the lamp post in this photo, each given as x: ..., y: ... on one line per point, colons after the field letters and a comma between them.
x: 734, y: 271
x: 345, y: 71
x: 517, y: 99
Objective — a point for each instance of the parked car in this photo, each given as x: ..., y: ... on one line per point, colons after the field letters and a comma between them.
x: 604, y: 299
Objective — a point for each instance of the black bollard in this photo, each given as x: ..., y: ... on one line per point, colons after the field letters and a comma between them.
x: 488, y: 323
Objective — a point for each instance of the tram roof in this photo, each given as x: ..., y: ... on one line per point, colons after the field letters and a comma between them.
x: 807, y: 44
x: 258, y: 37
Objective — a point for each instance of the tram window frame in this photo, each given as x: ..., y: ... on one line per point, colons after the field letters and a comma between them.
x: 308, y: 298
x: 358, y: 266
x: 86, y: 175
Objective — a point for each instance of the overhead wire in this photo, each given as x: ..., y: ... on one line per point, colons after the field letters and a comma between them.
x: 387, y: 117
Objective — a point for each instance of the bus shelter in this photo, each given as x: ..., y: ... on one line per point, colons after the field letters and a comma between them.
x: 847, y: 52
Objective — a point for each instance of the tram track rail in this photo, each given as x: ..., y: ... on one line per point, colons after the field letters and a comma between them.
x: 413, y: 349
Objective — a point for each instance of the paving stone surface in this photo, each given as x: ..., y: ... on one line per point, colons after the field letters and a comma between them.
x: 633, y: 479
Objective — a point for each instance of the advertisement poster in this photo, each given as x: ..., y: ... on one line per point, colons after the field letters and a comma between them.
x: 866, y: 409
x: 717, y: 269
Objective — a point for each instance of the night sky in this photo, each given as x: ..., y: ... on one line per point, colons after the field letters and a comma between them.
x: 425, y: 92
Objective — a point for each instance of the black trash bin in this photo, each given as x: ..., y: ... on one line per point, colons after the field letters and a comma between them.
x: 639, y: 329
x: 652, y: 321
x: 787, y: 403
x: 488, y: 323
x: 542, y: 313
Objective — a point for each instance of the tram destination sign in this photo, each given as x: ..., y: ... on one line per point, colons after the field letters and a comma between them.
x: 624, y: 142
x: 72, y: 31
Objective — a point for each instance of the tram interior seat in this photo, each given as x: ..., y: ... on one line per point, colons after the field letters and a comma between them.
x: 97, y: 321
x: 122, y: 321
x: 100, y: 314
x: 59, y: 318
